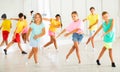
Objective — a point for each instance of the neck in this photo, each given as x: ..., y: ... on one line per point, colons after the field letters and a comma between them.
x: 107, y: 20
x: 76, y: 20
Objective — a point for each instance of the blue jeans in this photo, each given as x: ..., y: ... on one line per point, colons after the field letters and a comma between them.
x: 77, y: 37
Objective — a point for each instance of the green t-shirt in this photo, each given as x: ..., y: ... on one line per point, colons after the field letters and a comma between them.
x: 110, y: 36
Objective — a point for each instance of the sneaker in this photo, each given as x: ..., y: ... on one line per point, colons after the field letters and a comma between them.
x: 113, y: 64
x: 23, y: 52
x: 5, y: 51
x: 98, y: 62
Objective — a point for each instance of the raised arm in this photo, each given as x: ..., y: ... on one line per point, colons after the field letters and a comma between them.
x: 14, y: 19
x: 47, y: 19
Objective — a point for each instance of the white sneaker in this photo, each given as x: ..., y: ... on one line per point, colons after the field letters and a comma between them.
x: 27, y: 62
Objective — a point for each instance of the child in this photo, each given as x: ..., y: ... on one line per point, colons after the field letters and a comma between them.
x: 76, y: 28
x: 16, y: 37
x: 25, y: 30
x: 37, y: 30
x: 93, y: 21
x: 109, y: 36
x: 55, y: 23
x: 6, y: 26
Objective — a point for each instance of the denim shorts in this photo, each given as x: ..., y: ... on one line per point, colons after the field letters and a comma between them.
x: 77, y: 37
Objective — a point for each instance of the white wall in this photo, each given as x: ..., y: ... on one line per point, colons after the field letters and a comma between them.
x: 11, y: 8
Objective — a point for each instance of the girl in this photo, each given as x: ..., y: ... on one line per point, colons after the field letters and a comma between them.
x: 76, y: 28
x: 37, y: 30
x: 109, y: 37
x: 55, y: 23
x: 6, y: 26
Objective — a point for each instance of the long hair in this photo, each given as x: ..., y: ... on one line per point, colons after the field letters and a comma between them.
x: 39, y: 16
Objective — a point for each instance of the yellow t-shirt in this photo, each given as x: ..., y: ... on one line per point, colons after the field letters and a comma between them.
x: 54, y: 25
x: 6, y: 25
x: 20, y: 26
x: 25, y: 23
x: 92, y: 19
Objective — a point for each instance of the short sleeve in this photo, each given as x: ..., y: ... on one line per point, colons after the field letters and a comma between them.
x: 32, y: 26
x: 87, y: 17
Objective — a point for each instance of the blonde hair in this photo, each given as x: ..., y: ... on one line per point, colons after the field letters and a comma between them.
x: 39, y: 16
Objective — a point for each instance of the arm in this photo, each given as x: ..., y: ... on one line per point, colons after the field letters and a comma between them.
x: 97, y: 31
x: 47, y: 19
x: 28, y: 34
x: 110, y: 27
x: 61, y: 33
x: 72, y: 32
x: 94, y: 24
x: 40, y: 35
x: 84, y: 19
x: 14, y: 19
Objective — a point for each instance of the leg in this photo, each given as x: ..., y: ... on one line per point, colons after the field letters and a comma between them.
x: 2, y: 43
x: 6, y: 42
x: 70, y: 52
x: 19, y: 45
x: 31, y: 54
x: 77, y: 51
x: 5, y: 50
x: 101, y: 53
x: 54, y: 41
x: 8, y: 46
x: 35, y: 54
x: 50, y: 42
x: 110, y: 55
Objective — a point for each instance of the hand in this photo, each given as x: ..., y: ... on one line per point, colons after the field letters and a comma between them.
x: 90, y: 27
x: 27, y: 39
x: 67, y: 34
x: 36, y: 37
x: 103, y: 35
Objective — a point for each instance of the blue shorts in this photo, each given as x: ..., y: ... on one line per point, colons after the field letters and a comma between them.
x: 77, y: 37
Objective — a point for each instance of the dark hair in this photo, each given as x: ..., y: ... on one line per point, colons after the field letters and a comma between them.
x: 31, y: 11
x: 40, y: 17
x: 58, y: 15
x: 74, y: 12
x: 104, y: 12
x: 4, y: 16
x: 20, y: 15
x: 92, y: 8
x: 25, y: 17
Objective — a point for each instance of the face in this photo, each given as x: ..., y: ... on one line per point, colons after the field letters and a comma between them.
x: 92, y: 11
x: 37, y: 18
x: 105, y: 17
x: 74, y: 17
x: 58, y: 18
x: 22, y: 18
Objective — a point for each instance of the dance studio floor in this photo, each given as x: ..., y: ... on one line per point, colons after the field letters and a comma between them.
x: 52, y: 61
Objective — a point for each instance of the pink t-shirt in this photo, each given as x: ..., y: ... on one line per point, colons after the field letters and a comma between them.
x: 75, y: 25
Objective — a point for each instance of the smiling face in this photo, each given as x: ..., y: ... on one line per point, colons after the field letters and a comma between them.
x: 105, y: 16
x: 38, y: 18
x: 92, y: 11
